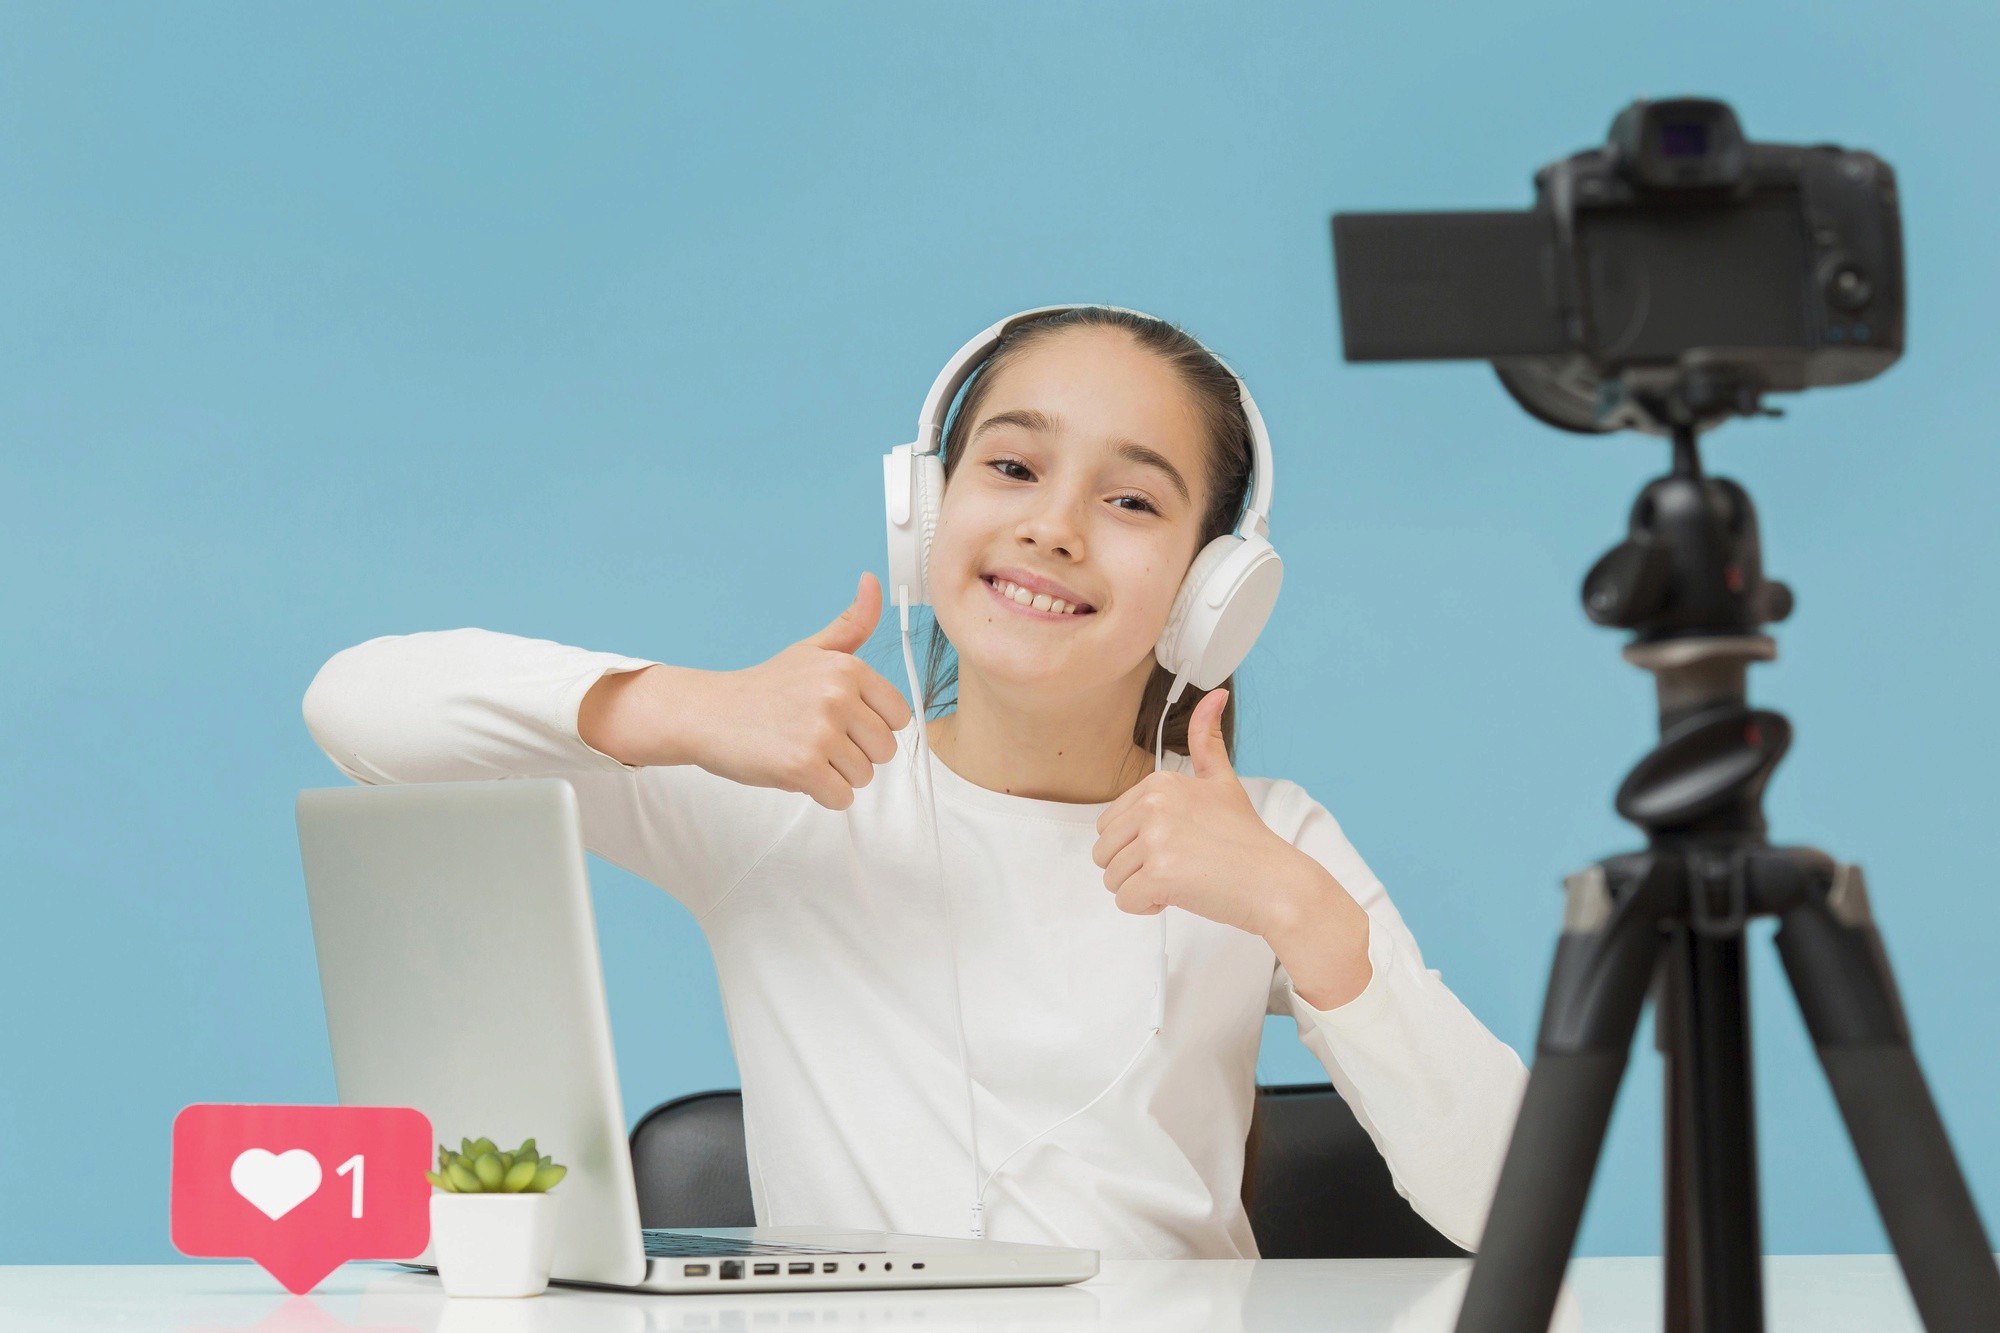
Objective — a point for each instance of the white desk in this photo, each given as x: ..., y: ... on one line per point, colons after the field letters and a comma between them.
x: 1823, y: 1294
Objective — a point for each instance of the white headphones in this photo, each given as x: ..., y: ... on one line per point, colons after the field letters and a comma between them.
x: 1225, y: 597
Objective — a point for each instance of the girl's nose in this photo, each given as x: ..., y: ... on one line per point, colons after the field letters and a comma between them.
x: 1052, y: 525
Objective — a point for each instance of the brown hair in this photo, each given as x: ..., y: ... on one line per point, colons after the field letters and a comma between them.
x: 1229, y: 457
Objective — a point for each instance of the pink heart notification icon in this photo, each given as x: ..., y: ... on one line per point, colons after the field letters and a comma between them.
x: 301, y: 1189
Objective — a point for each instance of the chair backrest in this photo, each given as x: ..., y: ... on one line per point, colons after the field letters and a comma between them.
x: 1319, y: 1190
x: 689, y: 1163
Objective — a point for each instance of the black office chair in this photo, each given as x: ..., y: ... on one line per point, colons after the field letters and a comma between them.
x: 1321, y: 1191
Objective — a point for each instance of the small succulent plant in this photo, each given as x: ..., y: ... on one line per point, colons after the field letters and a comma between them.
x: 480, y: 1168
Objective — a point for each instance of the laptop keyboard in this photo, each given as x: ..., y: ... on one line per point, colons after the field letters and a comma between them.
x: 665, y: 1244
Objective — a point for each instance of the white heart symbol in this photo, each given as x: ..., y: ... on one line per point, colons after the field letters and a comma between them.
x: 275, y: 1182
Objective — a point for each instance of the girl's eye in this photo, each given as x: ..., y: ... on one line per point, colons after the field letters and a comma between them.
x: 1002, y: 464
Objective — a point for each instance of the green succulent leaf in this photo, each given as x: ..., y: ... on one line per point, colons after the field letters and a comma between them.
x: 480, y: 1167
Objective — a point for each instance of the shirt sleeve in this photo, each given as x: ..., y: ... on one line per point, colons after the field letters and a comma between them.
x: 1434, y: 1089
x: 467, y: 705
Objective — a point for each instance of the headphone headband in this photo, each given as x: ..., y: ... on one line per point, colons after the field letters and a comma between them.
x: 944, y: 391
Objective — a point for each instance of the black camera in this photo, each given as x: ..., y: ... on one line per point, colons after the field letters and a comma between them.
x: 1673, y: 276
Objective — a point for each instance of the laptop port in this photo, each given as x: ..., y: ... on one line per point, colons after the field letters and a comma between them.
x: 732, y: 1268
x: 799, y: 1268
x: 829, y: 1268
x: 764, y: 1270
x: 694, y: 1270
x: 916, y: 1265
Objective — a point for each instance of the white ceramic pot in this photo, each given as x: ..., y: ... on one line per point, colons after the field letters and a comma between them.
x: 493, y: 1244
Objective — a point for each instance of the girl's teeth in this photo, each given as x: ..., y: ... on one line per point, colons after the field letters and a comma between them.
x: 1039, y: 601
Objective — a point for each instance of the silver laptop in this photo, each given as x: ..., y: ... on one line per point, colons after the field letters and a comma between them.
x: 458, y: 958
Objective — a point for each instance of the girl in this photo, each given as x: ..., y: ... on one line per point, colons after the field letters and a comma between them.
x: 893, y: 1023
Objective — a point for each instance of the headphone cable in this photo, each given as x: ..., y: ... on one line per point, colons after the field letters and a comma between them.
x: 977, y: 1229
x: 951, y: 928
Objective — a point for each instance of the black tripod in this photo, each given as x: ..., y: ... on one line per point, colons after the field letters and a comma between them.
x: 1671, y: 920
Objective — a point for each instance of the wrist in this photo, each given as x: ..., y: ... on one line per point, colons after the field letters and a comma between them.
x: 1320, y: 935
x: 1298, y: 894
x: 645, y: 718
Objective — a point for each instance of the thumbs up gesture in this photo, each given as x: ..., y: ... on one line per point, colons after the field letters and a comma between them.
x: 1197, y: 842
x: 813, y: 719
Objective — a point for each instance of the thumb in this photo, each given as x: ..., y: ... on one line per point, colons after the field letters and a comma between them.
x: 1205, y: 747
x: 851, y: 628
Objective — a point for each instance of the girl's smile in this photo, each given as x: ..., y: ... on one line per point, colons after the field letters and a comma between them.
x: 1031, y: 596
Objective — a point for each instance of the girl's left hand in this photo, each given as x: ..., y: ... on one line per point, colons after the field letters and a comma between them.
x: 1196, y: 842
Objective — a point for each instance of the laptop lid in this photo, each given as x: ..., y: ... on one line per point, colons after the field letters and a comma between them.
x: 458, y: 960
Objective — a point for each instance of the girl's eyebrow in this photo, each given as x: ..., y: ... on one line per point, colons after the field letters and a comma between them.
x: 1029, y: 418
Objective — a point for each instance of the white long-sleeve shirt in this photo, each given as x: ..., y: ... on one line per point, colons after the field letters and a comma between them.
x: 830, y: 944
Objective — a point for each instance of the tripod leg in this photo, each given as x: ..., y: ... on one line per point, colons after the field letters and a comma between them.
x: 1720, y: 1253
x: 1839, y: 972
x: 1604, y: 963
x: 1678, y: 1277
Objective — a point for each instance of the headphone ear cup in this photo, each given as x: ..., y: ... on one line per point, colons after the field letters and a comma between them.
x: 1172, y: 651
x: 1223, y: 602
x: 913, y: 484
x: 930, y: 494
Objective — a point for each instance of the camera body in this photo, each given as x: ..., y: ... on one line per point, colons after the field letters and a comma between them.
x: 1673, y: 275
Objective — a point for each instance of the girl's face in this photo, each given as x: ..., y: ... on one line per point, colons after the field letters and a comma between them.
x: 1083, y: 478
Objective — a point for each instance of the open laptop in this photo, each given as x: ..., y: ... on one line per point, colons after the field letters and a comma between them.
x: 458, y: 958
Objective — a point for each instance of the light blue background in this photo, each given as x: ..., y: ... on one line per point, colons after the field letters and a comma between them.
x: 324, y: 323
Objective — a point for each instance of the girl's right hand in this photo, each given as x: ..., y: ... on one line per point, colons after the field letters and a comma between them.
x: 814, y: 719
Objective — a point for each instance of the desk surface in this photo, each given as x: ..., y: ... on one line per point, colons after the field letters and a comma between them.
x: 1825, y: 1294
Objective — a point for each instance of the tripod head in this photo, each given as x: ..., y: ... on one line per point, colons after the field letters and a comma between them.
x: 1689, y: 581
